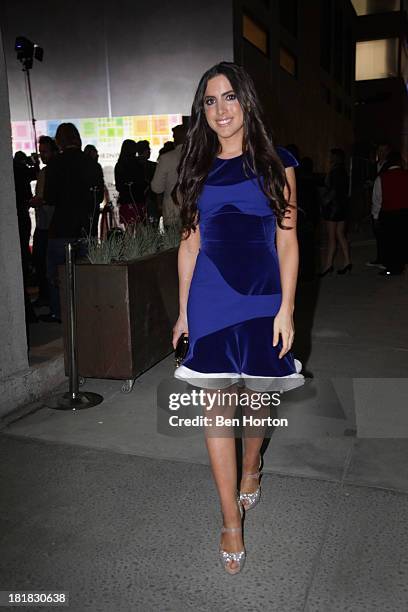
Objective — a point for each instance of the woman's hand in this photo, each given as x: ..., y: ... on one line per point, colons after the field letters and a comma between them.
x: 180, y: 327
x: 283, y: 326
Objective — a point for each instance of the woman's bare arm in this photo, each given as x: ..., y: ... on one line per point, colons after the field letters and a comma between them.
x: 187, y: 255
x: 288, y: 255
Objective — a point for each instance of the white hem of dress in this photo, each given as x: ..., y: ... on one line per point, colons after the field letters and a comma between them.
x: 263, y: 383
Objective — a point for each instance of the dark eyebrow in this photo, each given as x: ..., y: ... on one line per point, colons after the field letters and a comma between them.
x: 226, y: 93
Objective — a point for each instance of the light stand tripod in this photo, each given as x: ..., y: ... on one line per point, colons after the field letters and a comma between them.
x: 26, y: 52
x: 26, y: 71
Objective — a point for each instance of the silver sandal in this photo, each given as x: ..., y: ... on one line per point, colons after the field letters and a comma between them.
x: 226, y: 557
x: 250, y: 500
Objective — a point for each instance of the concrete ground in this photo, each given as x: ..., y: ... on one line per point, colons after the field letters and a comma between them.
x: 111, y: 505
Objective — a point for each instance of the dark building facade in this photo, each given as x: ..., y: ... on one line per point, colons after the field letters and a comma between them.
x: 381, y: 105
x: 301, y: 55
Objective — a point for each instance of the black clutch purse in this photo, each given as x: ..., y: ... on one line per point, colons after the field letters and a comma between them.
x: 181, y: 349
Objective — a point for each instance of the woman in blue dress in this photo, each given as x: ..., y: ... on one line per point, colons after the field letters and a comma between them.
x: 237, y: 263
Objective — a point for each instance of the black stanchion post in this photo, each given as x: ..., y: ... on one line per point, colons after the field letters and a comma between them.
x: 71, y: 317
x: 74, y: 399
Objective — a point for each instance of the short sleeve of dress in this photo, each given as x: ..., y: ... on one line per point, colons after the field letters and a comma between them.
x: 287, y: 159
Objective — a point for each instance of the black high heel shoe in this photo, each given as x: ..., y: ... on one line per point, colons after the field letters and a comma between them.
x: 327, y: 271
x: 345, y: 269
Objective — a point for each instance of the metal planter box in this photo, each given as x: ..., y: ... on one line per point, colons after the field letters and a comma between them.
x: 125, y: 315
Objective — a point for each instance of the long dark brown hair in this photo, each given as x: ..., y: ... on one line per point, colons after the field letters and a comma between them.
x: 202, y: 145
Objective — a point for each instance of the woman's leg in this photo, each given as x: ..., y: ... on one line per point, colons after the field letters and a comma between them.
x: 342, y: 240
x: 253, y: 438
x: 331, y: 243
x: 220, y: 442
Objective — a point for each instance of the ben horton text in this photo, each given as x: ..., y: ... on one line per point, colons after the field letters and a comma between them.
x: 221, y: 421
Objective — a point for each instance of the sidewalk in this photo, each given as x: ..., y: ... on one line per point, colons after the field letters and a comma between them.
x: 102, y: 504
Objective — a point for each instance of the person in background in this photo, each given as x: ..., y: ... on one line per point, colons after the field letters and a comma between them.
x: 166, y: 148
x: 334, y: 212
x: 149, y: 168
x: 130, y: 184
x: 166, y: 176
x: 74, y: 186
x: 92, y: 151
x: 144, y: 152
x: 308, y: 208
x: 43, y: 213
x: 25, y: 171
x: 383, y: 151
x: 390, y: 209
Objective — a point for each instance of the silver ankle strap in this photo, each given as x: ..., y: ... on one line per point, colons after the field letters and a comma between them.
x: 255, y: 475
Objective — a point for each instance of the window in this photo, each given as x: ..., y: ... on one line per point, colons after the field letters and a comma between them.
x: 255, y: 34
x: 288, y: 15
x: 369, y: 7
x: 287, y: 61
x: 376, y: 59
x: 325, y: 34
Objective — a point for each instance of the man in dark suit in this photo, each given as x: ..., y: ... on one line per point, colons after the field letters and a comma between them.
x: 74, y: 186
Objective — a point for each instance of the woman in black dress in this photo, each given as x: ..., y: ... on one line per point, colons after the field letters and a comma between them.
x: 335, y: 211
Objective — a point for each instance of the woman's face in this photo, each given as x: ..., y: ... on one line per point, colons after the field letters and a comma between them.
x: 222, y: 109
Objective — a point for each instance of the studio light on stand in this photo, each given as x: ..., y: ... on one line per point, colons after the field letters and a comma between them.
x: 27, y: 52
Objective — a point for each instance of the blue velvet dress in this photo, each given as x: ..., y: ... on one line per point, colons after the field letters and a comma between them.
x: 235, y: 290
